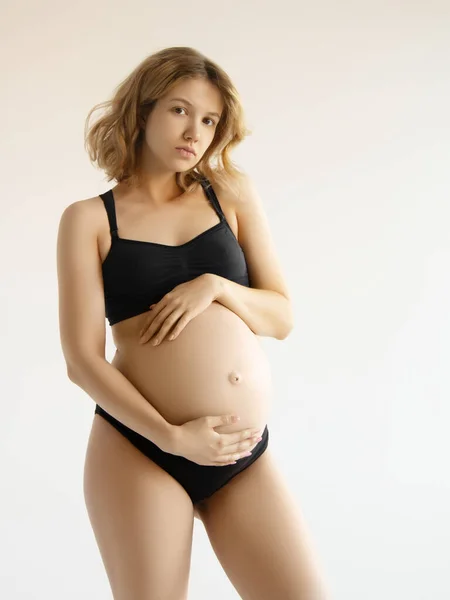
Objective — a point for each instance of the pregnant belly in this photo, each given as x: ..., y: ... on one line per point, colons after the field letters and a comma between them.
x: 216, y: 366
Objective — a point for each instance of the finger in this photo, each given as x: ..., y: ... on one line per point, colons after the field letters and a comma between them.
x: 238, y: 436
x: 232, y: 458
x: 143, y: 330
x: 145, y: 336
x: 214, y: 422
x: 243, y: 446
x: 159, y: 306
x: 148, y: 332
x: 166, y: 327
x: 155, y: 325
x: 154, y: 310
x: 226, y: 442
x: 181, y: 325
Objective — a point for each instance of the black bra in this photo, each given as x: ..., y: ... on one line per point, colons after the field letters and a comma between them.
x: 137, y: 274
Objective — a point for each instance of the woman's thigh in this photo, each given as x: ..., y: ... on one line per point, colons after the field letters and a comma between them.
x: 259, y: 536
x: 141, y: 517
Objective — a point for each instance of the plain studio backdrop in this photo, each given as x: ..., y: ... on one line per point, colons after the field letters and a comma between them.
x: 348, y: 104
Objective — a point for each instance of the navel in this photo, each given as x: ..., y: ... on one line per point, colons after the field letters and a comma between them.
x: 235, y: 377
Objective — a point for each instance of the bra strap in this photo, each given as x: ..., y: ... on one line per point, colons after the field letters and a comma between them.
x: 209, y: 191
x: 108, y: 201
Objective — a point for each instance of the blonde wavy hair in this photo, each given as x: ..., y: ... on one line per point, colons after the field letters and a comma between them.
x: 114, y: 140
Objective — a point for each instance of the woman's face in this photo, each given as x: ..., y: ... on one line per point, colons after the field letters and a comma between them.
x: 189, y: 122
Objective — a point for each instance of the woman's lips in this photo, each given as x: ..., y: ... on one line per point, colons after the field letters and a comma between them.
x: 185, y: 153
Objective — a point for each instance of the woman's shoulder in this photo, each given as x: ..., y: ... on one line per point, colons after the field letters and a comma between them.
x: 231, y: 189
x: 85, y: 207
x: 86, y: 213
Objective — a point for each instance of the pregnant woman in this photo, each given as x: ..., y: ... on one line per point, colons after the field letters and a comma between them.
x: 179, y: 258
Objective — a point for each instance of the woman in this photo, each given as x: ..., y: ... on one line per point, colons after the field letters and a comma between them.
x: 178, y: 256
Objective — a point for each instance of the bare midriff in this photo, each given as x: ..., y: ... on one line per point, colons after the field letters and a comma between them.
x: 216, y: 366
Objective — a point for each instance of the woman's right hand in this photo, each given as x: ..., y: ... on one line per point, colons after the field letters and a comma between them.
x: 197, y: 441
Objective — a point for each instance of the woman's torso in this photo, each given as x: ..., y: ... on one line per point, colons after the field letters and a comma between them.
x: 216, y: 365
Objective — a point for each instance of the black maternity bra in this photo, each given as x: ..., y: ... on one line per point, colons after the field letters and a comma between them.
x: 137, y: 274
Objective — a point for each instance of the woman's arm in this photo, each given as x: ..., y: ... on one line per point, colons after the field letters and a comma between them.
x: 111, y: 390
x: 266, y: 306
x: 266, y: 312
x: 82, y: 327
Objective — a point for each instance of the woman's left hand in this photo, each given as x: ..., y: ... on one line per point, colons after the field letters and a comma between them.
x: 178, y: 307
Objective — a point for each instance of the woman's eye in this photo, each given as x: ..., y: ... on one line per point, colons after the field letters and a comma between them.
x: 181, y: 108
